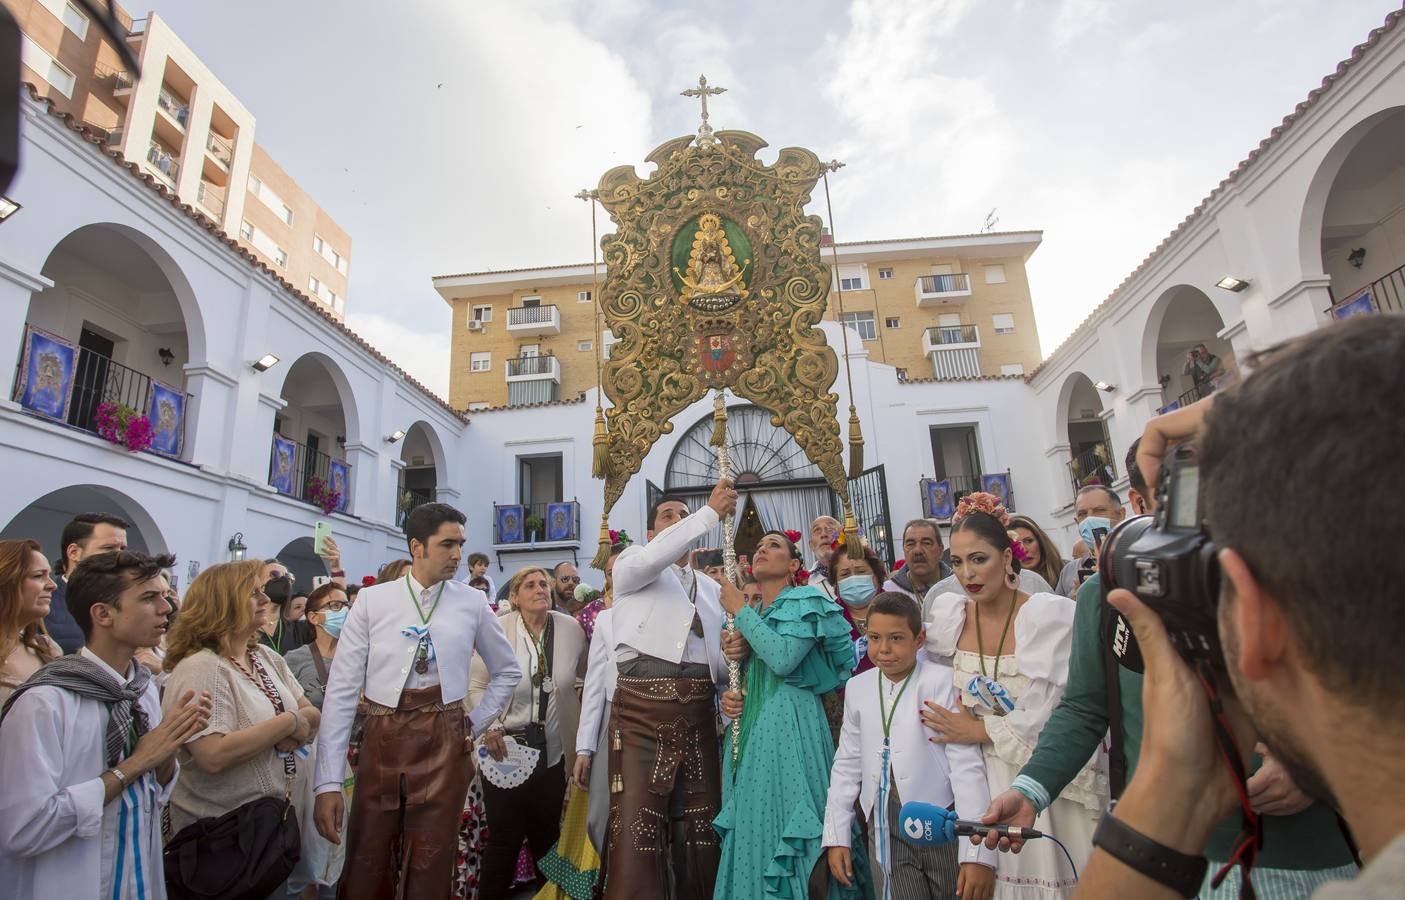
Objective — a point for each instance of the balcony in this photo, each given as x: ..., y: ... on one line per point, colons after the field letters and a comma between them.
x: 176, y: 109
x: 954, y: 351
x: 1093, y: 466
x: 1385, y: 294
x: 522, y: 526
x: 409, y: 499
x: 119, y: 81
x: 220, y: 149
x: 938, y: 289
x: 164, y: 163
x: 934, y: 503
x: 212, y: 202
x: 295, y: 470
x: 538, y: 320
x: 534, y: 368
x: 98, y: 379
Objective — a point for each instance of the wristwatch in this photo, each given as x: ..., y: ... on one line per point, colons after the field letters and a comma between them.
x: 1178, y: 871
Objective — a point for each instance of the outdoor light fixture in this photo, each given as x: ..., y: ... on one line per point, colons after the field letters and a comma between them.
x: 1230, y: 283
x: 8, y: 208
x: 1104, y: 386
x: 237, y: 548
x: 394, y: 436
x: 265, y: 362
x: 1357, y: 257
x: 167, y: 357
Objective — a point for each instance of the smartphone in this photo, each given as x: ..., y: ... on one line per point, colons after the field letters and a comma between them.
x: 319, y: 580
x: 1089, y: 530
x: 706, y: 559
x: 320, y: 532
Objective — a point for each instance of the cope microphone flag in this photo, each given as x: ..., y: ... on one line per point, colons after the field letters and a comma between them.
x: 925, y: 825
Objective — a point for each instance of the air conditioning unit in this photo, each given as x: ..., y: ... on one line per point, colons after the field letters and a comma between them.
x: 475, y: 325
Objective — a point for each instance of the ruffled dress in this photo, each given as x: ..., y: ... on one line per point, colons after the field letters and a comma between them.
x: 772, y: 817
x: 1035, y: 676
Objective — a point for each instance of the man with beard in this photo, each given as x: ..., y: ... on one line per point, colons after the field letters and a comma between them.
x: 564, y: 581
x: 1309, y: 648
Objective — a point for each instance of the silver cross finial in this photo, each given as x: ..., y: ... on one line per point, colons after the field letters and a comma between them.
x: 702, y: 92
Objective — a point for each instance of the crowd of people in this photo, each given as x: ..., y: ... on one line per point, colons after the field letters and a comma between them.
x: 675, y: 733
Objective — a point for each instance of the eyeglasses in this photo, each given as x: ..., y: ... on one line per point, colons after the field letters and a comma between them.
x: 574, y: 579
x: 334, y: 606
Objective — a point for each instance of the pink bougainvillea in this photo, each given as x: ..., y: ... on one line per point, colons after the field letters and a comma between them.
x: 320, y: 493
x: 124, y: 426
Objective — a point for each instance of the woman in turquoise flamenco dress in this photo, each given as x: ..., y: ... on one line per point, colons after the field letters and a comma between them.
x: 773, y: 800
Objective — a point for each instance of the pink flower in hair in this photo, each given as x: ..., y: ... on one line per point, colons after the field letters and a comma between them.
x: 1017, y: 547
x: 980, y: 501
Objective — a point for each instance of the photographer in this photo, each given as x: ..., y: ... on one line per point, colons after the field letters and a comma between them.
x: 1310, y: 649
x: 1303, y: 846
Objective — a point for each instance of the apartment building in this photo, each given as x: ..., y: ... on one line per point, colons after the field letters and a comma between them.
x: 943, y: 308
x: 182, y: 125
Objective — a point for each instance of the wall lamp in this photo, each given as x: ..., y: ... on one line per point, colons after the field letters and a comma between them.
x: 8, y: 208
x: 1104, y: 386
x: 265, y: 362
x: 1357, y: 257
x: 394, y: 436
x: 237, y: 548
x: 1230, y: 283
x: 167, y: 357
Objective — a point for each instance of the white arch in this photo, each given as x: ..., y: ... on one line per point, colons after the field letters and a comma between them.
x: 436, y: 449
x: 351, y: 417
x: 82, y: 498
x: 1156, y: 318
x: 1319, y: 190
x: 175, y: 276
x: 1061, y: 409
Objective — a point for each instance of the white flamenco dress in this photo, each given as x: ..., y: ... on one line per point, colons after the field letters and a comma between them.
x: 1034, y: 676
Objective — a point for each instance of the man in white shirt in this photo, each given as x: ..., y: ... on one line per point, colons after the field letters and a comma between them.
x: 665, y: 768
x: 407, y: 645
x: 88, y: 762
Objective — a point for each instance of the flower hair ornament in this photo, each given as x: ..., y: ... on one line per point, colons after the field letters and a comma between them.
x: 1017, y: 547
x: 980, y: 501
x: 793, y: 536
x: 620, y: 537
x: 843, y: 540
x: 368, y: 580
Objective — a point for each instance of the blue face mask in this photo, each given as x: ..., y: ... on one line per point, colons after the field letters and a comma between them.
x: 333, y: 620
x: 857, y: 590
x: 1088, y: 526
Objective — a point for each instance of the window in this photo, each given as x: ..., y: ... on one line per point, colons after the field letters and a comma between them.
x: 585, y: 346
x: 44, y: 65
x: 483, y: 314
x: 583, y: 296
x: 885, y: 274
x: 852, y: 277
x: 287, y: 213
x: 1004, y: 323
x: 902, y: 374
x: 480, y: 362
x: 529, y: 351
x: 995, y: 274
x: 332, y: 298
x: 75, y: 21
x: 255, y: 185
x: 280, y: 256
x: 893, y: 322
x: 339, y: 304
x: 314, y: 287
x: 1012, y: 369
x: 851, y: 284
x: 246, y: 231
x: 532, y: 301
x: 318, y: 244
x: 339, y: 261
x: 863, y: 323
x: 607, y: 340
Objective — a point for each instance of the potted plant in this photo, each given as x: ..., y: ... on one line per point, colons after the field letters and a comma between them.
x: 320, y: 493
x: 124, y: 426
x: 534, y: 526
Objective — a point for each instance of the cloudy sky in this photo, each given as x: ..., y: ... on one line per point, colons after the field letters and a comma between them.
x: 450, y: 136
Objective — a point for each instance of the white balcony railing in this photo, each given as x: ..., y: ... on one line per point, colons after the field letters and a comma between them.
x: 528, y: 368
x: 534, y: 319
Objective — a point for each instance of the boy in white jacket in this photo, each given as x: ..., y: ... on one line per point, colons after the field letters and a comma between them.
x: 882, y: 706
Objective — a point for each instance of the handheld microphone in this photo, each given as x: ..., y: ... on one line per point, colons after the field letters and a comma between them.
x: 926, y: 825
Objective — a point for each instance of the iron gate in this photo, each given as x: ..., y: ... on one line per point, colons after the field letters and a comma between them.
x: 869, y: 494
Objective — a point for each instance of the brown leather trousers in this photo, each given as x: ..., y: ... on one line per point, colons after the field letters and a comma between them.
x: 665, y: 789
x: 411, y: 781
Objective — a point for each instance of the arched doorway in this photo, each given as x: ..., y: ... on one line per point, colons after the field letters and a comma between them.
x: 781, y: 488
x: 44, y: 518
x: 311, y: 433
x: 131, y: 319
x: 303, y: 562
x: 1361, y: 238
x: 422, y: 455
x: 1182, y: 342
x: 1081, y: 409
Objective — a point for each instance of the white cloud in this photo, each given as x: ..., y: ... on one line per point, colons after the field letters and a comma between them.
x: 423, y: 351
x: 1074, y: 17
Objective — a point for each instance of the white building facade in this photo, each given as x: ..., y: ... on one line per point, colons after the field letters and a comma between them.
x: 148, y: 290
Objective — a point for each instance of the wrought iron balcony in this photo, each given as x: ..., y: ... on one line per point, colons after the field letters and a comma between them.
x: 1096, y: 465
x: 177, y: 109
x: 534, y: 319
x: 940, y: 288
x: 205, y: 195
x: 220, y: 148
x: 409, y: 499
x: 525, y: 367
x: 293, y: 468
x: 524, y: 524
x: 164, y: 162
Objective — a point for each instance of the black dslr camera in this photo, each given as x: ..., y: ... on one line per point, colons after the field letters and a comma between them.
x: 1168, y: 561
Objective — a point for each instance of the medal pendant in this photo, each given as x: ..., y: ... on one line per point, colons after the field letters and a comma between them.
x: 422, y: 665
x: 536, y: 679
x: 548, y: 685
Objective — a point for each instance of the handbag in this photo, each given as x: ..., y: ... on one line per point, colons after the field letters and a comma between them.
x: 247, y: 852
x: 241, y: 855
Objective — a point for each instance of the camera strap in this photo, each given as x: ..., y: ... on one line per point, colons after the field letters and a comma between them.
x: 1251, y: 830
x: 1112, y: 688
